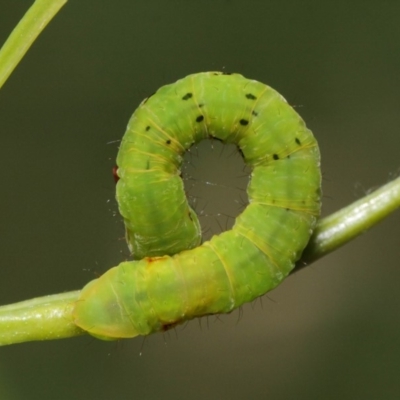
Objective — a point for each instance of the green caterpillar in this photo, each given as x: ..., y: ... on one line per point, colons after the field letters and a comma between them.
x: 169, y: 284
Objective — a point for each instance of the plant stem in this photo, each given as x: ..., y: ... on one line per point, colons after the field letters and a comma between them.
x: 344, y: 225
x: 44, y: 318
x: 50, y: 317
x: 25, y: 33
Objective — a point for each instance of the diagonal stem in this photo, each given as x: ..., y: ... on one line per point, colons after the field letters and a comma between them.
x: 25, y: 33
x: 344, y: 225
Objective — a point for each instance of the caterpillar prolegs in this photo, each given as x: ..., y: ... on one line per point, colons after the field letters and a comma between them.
x: 170, y: 284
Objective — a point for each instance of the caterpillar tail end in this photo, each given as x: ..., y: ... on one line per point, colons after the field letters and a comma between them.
x: 99, y: 312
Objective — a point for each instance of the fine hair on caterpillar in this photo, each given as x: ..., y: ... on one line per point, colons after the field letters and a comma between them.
x: 174, y: 277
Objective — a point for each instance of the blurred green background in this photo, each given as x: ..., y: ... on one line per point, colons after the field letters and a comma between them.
x: 331, y: 331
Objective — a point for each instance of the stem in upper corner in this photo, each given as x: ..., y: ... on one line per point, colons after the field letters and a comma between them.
x: 25, y: 33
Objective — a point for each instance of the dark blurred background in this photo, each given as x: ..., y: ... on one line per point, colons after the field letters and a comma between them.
x: 331, y: 331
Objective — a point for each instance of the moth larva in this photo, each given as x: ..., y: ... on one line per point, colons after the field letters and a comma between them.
x: 169, y: 284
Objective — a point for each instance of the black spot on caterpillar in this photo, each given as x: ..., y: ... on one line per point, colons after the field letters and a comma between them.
x: 171, y: 284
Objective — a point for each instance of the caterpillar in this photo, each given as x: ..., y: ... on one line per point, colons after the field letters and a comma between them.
x: 173, y: 277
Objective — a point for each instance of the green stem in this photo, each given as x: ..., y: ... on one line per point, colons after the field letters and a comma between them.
x: 25, y: 33
x: 44, y: 318
x: 50, y: 317
x: 344, y: 225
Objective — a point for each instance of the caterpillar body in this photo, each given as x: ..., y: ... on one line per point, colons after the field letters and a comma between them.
x: 172, y: 280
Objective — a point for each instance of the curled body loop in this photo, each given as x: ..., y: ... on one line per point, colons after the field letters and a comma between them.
x: 173, y: 277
